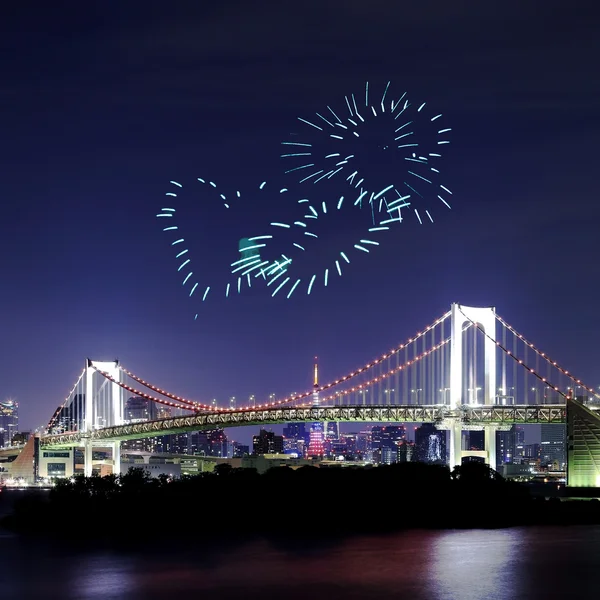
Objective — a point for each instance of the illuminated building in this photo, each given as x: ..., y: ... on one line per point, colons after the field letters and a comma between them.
x: 583, y: 427
x: 387, y: 455
x: 139, y: 409
x: 316, y: 446
x: 364, y: 450
x: 199, y: 444
x: 217, y: 442
x: 430, y: 444
x: 333, y: 430
x: 553, y: 446
x: 532, y: 452
x: 476, y: 440
x: 66, y: 418
x: 266, y: 442
x: 384, y: 442
x: 295, y: 438
x: 240, y: 450
x: 510, y: 448
x: 344, y: 446
x: 9, y: 421
x: 405, y: 451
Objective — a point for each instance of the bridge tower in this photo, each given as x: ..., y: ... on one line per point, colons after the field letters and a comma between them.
x: 91, y: 412
x: 485, y: 318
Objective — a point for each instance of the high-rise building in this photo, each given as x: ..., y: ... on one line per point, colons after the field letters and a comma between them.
x: 510, y: 446
x: 139, y: 409
x: 384, y: 442
x: 67, y: 418
x: 430, y: 444
x: 295, y: 438
x: 294, y: 431
x: 266, y: 442
x: 217, y: 441
x: 364, y: 450
x: 333, y: 430
x: 476, y: 440
x: 316, y: 445
x: 553, y: 446
x: 345, y: 446
x: 9, y: 421
x: 531, y: 452
x: 405, y: 451
x: 388, y: 435
x: 388, y: 455
x: 240, y: 450
x: 519, y: 441
x: 199, y: 443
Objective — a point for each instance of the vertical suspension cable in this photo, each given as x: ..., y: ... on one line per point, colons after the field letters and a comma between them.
x: 405, y: 380
x: 73, y: 410
x: 412, y: 380
x: 421, y: 390
x: 464, y: 376
x: 547, y: 390
x: 379, y: 384
x: 504, y: 390
x: 525, y: 377
x: 388, y: 381
x: 514, y: 378
x: 443, y: 367
x: 397, y: 379
x: 537, y: 370
x: 432, y: 363
x: 475, y: 364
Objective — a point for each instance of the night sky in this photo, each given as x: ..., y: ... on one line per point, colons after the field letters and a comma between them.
x: 103, y: 103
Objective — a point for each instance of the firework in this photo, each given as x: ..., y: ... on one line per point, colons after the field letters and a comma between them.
x: 304, y: 261
x: 389, y: 149
x: 185, y: 224
x: 385, y: 150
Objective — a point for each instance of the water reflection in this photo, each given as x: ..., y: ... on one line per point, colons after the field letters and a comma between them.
x: 476, y: 564
x: 103, y: 576
x: 527, y: 564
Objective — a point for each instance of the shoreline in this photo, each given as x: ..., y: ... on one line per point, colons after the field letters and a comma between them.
x: 309, y: 504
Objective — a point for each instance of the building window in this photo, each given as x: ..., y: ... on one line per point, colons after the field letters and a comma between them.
x: 57, y: 468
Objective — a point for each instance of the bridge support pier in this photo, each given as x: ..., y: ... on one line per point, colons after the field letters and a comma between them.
x: 87, y: 457
x: 490, y: 444
x: 456, y: 449
x: 455, y: 444
x: 116, y: 456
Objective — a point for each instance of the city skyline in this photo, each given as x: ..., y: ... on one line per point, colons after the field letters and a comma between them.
x: 92, y: 145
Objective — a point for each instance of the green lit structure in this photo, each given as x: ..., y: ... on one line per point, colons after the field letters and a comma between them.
x: 583, y: 445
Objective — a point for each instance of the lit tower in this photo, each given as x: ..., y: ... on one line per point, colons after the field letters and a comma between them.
x: 315, y: 444
x: 316, y: 383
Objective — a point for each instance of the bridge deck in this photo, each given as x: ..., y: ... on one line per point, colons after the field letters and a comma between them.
x: 469, y: 415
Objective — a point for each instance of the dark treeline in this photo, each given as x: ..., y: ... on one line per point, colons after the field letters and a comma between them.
x: 309, y: 502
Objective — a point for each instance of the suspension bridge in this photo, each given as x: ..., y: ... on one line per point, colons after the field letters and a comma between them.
x: 468, y: 370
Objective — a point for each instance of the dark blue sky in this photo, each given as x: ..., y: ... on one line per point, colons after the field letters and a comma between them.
x: 102, y: 104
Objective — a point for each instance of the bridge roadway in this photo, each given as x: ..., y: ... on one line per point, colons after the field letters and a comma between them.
x: 441, y: 415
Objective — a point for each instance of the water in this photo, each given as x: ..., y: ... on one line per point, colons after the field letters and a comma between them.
x: 522, y: 563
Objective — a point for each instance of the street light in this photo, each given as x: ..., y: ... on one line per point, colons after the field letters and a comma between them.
x: 474, y: 390
x: 443, y: 393
x: 416, y: 391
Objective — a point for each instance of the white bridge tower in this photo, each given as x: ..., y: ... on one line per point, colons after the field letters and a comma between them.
x: 484, y: 318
